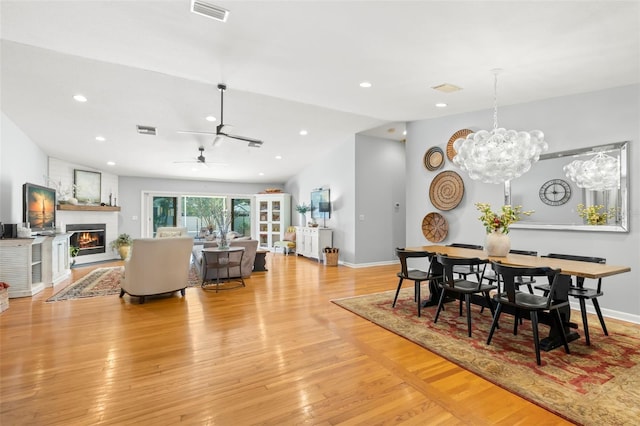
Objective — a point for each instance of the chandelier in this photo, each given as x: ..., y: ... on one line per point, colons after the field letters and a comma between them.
x: 600, y: 173
x: 499, y: 155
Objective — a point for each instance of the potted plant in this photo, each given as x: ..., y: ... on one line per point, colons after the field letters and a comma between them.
x: 303, y: 209
x: 122, y: 244
x: 73, y: 252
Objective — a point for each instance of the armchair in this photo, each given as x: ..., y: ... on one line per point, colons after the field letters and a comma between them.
x: 288, y: 242
x: 157, y: 266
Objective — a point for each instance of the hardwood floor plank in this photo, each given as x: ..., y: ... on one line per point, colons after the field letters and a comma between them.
x: 276, y: 352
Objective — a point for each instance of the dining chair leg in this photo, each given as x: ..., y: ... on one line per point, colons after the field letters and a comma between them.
x: 460, y: 305
x: 516, y: 317
x: 467, y: 301
x: 536, y: 341
x: 563, y: 334
x: 397, y: 292
x: 494, y: 323
x: 440, y: 303
x: 585, y: 322
x: 417, y: 295
x: 596, y: 305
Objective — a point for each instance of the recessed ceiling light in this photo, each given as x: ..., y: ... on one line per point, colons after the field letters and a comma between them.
x: 100, y: 138
x: 441, y: 105
x: 404, y: 133
x: 278, y: 157
x: 210, y: 118
x: 365, y: 84
x: 303, y: 132
x: 260, y: 174
x: 80, y: 98
x: 111, y: 163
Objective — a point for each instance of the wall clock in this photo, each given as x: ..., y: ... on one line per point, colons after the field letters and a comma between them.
x: 555, y: 192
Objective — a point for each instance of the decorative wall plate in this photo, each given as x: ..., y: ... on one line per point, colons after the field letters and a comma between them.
x: 435, y: 227
x: 457, y: 135
x: 446, y: 190
x: 433, y: 158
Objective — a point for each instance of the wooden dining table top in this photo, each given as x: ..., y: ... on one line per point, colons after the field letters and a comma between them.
x: 567, y: 267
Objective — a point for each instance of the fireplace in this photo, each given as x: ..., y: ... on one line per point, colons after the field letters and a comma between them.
x: 89, y: 237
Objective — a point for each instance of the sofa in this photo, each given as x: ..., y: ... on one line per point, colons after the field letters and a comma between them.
x: 248, y: 258
x: 157, y: 266
x: 171, y: 231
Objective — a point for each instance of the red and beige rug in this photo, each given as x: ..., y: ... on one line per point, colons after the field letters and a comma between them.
x: 104, y: 282
x: 594, y: 385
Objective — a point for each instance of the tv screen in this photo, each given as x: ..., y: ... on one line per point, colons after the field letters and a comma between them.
x: 39, y: 207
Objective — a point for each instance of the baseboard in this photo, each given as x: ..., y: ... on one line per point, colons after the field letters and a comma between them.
x: 607, y: 313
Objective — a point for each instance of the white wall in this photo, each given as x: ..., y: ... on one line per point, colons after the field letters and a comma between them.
x: 334, y: 171
x: 568, y: 123
x: 21, y: 161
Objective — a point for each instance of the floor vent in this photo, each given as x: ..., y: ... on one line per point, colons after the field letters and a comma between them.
x: 209, y: 10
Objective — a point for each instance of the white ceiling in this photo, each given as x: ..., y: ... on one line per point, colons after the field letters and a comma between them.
x: 288, y: 65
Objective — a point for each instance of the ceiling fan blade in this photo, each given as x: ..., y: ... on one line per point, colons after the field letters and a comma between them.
x: 193, y: 132
x: 255, y: 143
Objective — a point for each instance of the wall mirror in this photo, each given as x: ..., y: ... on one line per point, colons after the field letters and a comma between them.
x: 556, y: 198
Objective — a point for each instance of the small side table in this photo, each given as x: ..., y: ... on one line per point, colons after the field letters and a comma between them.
x: 222, y: 260
x: 260, y: 262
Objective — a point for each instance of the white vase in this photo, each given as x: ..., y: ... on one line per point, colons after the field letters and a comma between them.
x: 303, y: 219
x: 497, y: 244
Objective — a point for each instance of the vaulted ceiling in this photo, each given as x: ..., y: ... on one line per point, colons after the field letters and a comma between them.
x: 288, y: 66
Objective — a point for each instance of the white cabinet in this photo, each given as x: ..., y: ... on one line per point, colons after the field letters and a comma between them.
x: 29, y: 265
x: 310, y: 242
x: 60, y: 266
x: 272, y: 218
x: 21, y: 265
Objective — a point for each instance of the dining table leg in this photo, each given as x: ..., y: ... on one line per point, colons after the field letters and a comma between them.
x: 554, y: 339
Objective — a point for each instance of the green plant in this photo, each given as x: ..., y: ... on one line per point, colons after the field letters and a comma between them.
x: 500, y: 222
x: 73, y: 251
x: 303, y: 208
x: 122, y: 240
x: 594, y: 215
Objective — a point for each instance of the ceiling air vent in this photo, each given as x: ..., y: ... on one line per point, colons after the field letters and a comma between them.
x: 209, y: 10
x: 146, y: 130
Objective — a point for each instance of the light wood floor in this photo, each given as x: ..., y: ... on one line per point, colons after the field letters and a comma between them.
x: 277, y: 352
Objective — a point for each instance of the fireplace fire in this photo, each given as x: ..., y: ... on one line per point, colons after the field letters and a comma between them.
x: 89, y: 238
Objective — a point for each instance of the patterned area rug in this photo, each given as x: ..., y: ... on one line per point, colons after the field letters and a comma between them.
x: 594, y: 385
x: 104, y: 282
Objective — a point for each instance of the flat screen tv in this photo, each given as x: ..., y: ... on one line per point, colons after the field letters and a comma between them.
x: 39, y: 207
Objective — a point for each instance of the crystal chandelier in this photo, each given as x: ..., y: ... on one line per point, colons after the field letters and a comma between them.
x: 600, y: 173
x: 499, y: 155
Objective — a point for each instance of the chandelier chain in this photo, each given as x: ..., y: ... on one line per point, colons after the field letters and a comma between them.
x: 495, y: 101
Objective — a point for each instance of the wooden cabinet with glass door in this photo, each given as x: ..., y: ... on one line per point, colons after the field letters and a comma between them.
x: 273, y: 216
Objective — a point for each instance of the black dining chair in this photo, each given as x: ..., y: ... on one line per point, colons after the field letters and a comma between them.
x: 582, y: 293
x: 532, y: 303
x: 416, y: 275
x: 491, y: 276
x: 461, y: 287
x: 465, y: 270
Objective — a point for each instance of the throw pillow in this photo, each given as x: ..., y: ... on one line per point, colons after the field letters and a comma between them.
x: 289, y: 236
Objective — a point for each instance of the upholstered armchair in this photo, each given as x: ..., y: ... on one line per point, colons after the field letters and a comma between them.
x: 288, y: 243
x: 157, y: 266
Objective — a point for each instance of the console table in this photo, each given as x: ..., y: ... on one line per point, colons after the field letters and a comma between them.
x: 222, y: 260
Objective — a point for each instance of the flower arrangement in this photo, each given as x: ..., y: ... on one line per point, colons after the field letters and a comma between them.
x: 303, y: 208
x: 222, y: 220
x: 500, y: 222
x: 593, y: 214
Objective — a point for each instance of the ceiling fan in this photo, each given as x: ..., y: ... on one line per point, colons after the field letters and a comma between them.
x: 200, y: 159
x: 221, y: 129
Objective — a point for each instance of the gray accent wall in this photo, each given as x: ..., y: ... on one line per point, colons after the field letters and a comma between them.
x: 568, y: 123
x: 366, y: 177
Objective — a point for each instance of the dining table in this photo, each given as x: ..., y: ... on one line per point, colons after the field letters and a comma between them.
x: 568, y: 269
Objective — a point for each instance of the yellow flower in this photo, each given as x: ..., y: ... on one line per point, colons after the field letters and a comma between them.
x: 500, y: 222
x: 593, y: 214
